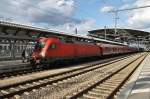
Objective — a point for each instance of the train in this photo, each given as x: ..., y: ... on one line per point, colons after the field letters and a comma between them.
x: 50, y: 49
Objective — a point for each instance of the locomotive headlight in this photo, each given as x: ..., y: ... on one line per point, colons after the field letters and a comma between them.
x: 43, y: 54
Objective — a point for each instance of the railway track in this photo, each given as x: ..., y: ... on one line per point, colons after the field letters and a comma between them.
x: 78, y: 81
x: 14, y: 71
x: 106, y: 88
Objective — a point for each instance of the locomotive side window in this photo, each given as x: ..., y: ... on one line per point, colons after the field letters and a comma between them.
x: 52, y: 46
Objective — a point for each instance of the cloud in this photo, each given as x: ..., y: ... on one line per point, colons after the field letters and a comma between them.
x: 56, y: 14
x: 140, y: 18
x: 65, y: 7
x: 53, y: 12
x: 107, y: 9
x: 82, y: 27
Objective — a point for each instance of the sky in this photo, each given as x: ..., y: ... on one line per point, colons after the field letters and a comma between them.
x: 83, y: 15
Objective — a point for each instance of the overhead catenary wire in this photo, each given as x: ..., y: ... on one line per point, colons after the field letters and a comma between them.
x: 134, y: 8
x: 115, y: 11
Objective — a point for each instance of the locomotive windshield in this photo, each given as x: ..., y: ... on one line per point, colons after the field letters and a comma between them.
x: 39, y: 45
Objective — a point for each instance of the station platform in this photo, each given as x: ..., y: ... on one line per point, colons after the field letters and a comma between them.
x: 138, y: 86
x: 11, y: 64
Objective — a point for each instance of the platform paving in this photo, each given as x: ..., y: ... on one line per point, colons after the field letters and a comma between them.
x: 138, y: 86
x: 5, y: 65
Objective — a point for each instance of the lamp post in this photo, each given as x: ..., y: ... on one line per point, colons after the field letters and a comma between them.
x: 76, y: 31
x: 105, y: 32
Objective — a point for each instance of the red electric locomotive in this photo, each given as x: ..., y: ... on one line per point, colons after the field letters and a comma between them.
x: 52, y: 49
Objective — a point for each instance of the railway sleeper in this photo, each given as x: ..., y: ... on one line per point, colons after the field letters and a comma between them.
x: 41, y: 81
x: 26, y: 93
x: 120, y: 79
x: 36, y: 83
x: 117, y: 78
x: 87, y: 96
x: 34, y: 90
x: 21, y: 87
x: 102, y: 94
x: 99, y: 94
x: 114, y: 81
x: 100, y: 91
x: 103, y: 88
x: 109, y: 84
x: 12, y: 90
x: 4, y: 92
x: 29, y: 85
x: 17, y: 97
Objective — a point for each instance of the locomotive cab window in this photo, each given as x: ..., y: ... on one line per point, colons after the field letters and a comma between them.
x: 52, y: 46
x: 42, y: 44
x: 39, y: 45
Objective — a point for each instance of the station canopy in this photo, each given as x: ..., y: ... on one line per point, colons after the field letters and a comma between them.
x: 19, y: 31
x: 121, y: 34
x: 10, y: 30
